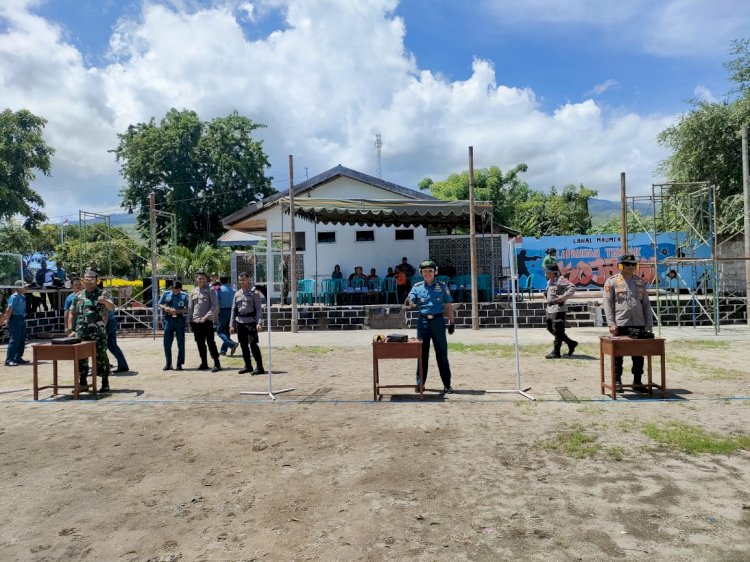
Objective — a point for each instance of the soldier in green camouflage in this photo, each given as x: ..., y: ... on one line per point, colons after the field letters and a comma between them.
x: 90, y: 313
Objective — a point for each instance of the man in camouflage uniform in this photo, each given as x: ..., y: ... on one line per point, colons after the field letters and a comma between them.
x: 90, y: 314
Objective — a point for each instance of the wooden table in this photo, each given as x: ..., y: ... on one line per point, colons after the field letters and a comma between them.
x: 623, y: 346
x: 406, y: 350
x: 73, y: 352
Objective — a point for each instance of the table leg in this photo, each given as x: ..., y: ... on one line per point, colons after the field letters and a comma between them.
x: 663, y: 376
x: 613, y: 376
x: 601, y: 368
x: 650, y: 378
x: 76, y: 379
x: 54, y: 377
x: 375, y: 377
x: 36, y: 381
x: 93, y: 372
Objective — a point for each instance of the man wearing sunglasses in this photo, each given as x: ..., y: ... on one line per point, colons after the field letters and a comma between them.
x: 627, y: 307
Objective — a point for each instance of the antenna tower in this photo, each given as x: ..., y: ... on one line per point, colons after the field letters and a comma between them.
x: 378, y: 146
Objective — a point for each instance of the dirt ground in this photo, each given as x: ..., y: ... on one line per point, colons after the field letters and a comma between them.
x: 181, y: 466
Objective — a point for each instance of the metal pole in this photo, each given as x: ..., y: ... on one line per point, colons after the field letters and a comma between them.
x: 292, y: 275
x: 623, y: 214
x: 154, y: 281
x: 473, y: 245
x: 746, y: 191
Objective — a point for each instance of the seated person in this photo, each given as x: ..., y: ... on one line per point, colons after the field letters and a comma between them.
x: 358, y: 274
x: 373, y: 274
x: 337, y: 272
x: 390, y: 273
x: 448, y: 269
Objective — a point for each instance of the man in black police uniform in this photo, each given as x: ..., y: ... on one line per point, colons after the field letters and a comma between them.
x: 433, y: 299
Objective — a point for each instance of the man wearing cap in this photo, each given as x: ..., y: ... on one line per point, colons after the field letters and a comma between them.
x: 246, y: 320
x: 203, y: 308
x: 627, y: 306
x: 174, y: 303
x: 89, y: 319
x: 550, y: 258
x: 15, y: 319
x: 559, y: 290
x: 433, y: 300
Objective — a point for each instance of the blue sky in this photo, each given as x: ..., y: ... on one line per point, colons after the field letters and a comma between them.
x: 578, y: 89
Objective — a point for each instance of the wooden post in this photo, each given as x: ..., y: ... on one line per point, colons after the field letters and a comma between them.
x: 473, y: 245
x: 292, y: 269
x: 746, y: 191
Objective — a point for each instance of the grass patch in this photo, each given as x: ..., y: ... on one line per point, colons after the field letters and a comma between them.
x: 616, y: 453
x: 705, y: 344
x: 695, y: 440
x: 312, y: 349
x: 693, y: 364
x: 574, y: 443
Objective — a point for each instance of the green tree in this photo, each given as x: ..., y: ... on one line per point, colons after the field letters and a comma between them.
x: 185, y: 263
x: 556, y: 214
x: 103, y: 246
x: 505, y: 191
x: 15, y: 239
x: 22, y: 150
x: 705, y: 145
x: 199, y: 171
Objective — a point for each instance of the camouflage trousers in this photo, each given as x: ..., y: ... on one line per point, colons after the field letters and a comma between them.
x: 102, y: 361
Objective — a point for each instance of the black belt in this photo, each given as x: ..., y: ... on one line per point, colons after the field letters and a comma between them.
x: 227, y: 308
x: 432, y: 316
x: 246, y: 316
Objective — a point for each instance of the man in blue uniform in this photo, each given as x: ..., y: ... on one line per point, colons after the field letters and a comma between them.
x: 175, y: 304
x: 226, y: 300
x: 433, y: 300
x: 15, y: 318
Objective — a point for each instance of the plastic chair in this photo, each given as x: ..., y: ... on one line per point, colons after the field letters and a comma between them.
x: 375, y: 285
x: 528, y: 286
x: 415, y: 279
x: 484, y: 287
x: 443, y: 279
x: 306, y: 291
x: 330, y: 289
x: 389, y: 289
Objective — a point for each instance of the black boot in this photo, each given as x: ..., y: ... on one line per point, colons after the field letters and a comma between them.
x: 217, y: 366
x: 259, y: 370
x: 555, y: 353
x: 618, y: 385
x: 638, y: 386
x: 105, y: 384
x: 82, y: 382
x: 572, y: 344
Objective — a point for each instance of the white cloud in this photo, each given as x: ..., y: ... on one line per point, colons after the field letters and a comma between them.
x: 335, y: 74
x: 599, y: 89
x: 703, y: 93
x: 666, y: 27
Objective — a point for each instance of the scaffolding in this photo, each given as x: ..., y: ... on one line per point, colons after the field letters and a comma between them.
x: 690, y: 284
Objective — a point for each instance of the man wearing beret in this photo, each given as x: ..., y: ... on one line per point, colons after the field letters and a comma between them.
x: 433, y: 300
x: 626, y: 307
x: 559, y: 290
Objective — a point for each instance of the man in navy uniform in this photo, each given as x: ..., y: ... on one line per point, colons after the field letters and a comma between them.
x: 433, y: 300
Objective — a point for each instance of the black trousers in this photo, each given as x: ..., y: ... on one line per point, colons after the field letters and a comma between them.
x: 556, y: 327
x: 247, y: 334
x: 637, y: 369
x: 204, y: 335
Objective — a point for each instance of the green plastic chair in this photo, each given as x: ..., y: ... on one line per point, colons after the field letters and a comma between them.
x: 330, y: 288
x: 306, y: 291
x: 389, y: 289
x: 528, y: 286
x: 484, y: 287
x: 376, y: 286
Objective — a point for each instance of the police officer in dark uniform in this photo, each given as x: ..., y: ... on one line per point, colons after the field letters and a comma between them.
x: 433, y: 300
x: 627, y: 307
x: 175, y: 304
x: 246, y: 320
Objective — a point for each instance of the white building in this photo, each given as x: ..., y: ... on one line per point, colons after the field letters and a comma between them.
x: 322, y: 246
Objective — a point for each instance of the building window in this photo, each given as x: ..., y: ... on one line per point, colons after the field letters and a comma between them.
x: 365, y: 236
x: 404, y: 234
x: 326, y: 237
x: 286, y: 238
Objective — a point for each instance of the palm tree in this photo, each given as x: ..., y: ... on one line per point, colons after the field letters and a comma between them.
x: 185, y: 263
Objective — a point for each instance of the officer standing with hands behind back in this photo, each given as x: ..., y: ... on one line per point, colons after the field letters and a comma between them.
x: 627, y: 307
x: 433, y: 300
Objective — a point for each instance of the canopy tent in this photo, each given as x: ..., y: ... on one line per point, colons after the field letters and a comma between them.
x: 390, y: 212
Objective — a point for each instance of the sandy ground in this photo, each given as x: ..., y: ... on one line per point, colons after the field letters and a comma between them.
x: 181, y: 466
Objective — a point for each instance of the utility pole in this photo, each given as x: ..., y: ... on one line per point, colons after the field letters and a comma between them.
x: 746, y: 191
x: 292, y: 272
x: 623, y: 214
x: 473, y: 245
x: 154, y: 280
